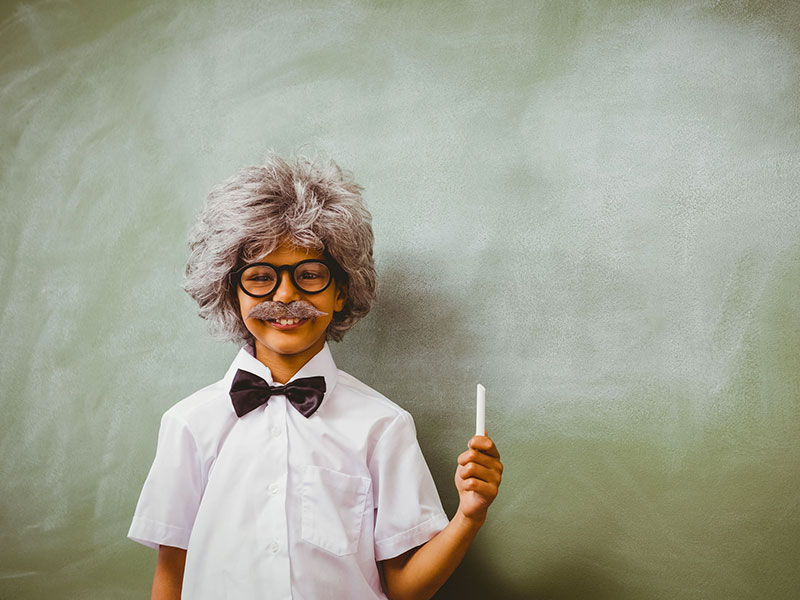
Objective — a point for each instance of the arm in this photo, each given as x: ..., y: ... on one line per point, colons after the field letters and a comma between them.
x: 417, y: 574
x: 168, y: 578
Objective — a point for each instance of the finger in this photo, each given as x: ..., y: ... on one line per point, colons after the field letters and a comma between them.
x: 475, y: 471
x: 484, y: 444
x: 480, y: 455
x: 482, y: 459
x: 493, y: 472
x: 482, y: 488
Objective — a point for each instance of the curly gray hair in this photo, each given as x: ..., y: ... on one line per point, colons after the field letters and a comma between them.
x: 312, y: 204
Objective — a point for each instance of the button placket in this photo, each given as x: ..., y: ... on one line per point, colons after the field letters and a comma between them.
x: 272, y: 521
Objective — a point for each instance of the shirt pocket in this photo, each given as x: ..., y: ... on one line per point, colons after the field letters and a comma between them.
x: 333, y: 509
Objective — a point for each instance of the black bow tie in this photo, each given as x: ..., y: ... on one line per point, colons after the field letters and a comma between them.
x: 249, y: 391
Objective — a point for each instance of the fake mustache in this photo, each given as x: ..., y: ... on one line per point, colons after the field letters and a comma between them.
x: 299, y: 309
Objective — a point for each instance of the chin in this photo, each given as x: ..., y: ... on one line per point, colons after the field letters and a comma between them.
x: 290, y: 347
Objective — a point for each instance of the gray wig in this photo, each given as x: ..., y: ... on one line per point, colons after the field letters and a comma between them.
x: 311, y: 204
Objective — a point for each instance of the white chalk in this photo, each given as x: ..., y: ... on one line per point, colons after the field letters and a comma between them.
x: 480, y: 418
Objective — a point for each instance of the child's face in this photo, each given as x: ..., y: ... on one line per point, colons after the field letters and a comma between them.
x: 293, y: 344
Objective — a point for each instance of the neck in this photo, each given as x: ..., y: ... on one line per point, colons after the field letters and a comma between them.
x: 284, y: 366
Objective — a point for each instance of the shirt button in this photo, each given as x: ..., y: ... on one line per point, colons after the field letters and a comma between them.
x: 273, y: 547
x: 273, y: 488
x: 275, y: 431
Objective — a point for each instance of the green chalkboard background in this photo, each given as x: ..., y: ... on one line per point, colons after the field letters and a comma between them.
x: 590, y: 207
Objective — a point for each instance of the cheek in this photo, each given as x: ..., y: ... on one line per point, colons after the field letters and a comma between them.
x: 244, y: 305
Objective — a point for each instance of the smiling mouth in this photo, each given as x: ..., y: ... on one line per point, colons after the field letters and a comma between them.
x: 286, y: 323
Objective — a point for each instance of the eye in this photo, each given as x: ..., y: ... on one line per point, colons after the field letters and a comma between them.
x: 258, y: 275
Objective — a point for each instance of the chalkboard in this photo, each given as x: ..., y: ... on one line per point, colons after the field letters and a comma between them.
x: 589, y: 207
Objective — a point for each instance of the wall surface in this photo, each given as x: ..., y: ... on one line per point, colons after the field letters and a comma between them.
x: 590, y: 207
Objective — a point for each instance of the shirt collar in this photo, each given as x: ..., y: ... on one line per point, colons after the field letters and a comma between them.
x: 319, y: 364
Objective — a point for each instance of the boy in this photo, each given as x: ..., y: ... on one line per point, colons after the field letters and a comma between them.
x: 289, y: 478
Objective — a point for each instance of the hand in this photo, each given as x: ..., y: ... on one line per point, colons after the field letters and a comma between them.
x: 478, y: 478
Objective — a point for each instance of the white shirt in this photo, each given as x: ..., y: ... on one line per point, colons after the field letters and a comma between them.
x: 277, y: 505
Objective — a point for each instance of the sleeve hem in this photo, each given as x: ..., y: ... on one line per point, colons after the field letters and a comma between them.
x: 411, y: 538
x: 154, y: 534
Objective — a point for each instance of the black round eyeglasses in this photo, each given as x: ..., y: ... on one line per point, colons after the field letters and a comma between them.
x: 310, y: 276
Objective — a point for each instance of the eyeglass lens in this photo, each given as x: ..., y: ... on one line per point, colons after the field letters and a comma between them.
x: 262, y: 280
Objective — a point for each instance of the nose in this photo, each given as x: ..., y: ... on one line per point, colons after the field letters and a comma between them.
x: 286, y: 291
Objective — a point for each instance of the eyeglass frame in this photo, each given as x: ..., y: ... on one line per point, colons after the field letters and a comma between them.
x: 237, y: 275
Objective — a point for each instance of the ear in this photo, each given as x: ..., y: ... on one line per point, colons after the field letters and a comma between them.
x: 341, y: 297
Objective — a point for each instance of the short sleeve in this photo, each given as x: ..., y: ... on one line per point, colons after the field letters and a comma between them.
x: 171, y: 493
x: 408, y: 511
